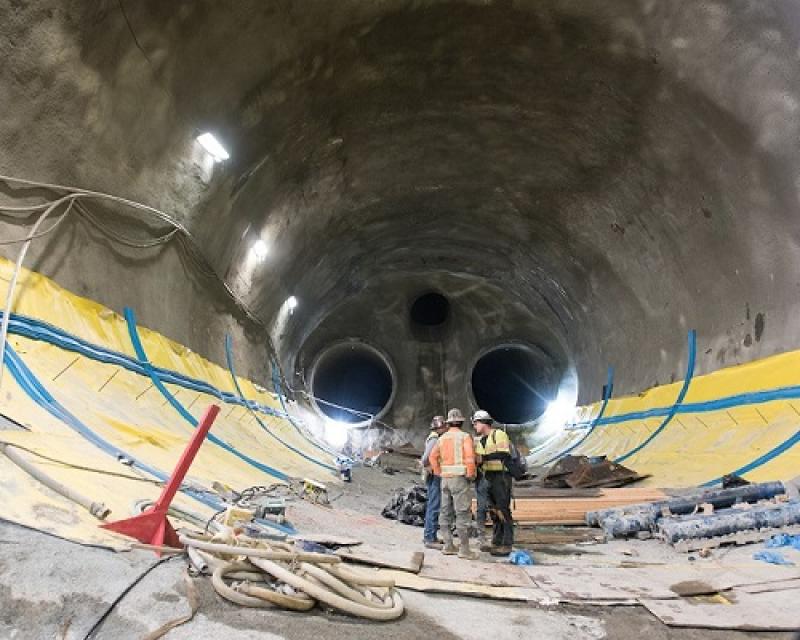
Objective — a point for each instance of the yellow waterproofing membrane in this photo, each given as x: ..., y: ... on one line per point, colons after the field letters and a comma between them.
x: 744, y: 418
x: 124, y: 409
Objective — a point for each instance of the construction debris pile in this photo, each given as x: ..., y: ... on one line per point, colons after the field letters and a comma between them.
x: 706, y: 518
x: 582, y: 472
x: 408, y: 506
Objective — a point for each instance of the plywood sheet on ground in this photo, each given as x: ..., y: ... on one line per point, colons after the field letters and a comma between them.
x: 391, y: 559
x: 405, y: 580
x: 577, y: 583
x: 773, y: 611
x: 440, y: 567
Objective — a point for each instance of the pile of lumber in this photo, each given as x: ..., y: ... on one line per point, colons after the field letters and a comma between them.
x: 569, y: 506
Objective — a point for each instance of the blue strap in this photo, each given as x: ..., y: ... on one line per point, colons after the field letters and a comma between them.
x: 686, y: 382
x: 229, y: 358
x: 130, y: 319
x: 607, y: 391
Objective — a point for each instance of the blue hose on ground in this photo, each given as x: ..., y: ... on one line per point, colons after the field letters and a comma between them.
x: 686, y: 382
x: 130, y: 318
x: 229, y: 357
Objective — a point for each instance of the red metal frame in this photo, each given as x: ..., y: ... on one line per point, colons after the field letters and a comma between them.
x: 151, y: 526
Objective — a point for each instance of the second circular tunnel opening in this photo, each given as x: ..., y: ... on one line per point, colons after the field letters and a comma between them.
x: 510, y: 384
x: 355, y: 377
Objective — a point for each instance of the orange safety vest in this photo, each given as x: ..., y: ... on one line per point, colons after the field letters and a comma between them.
x: 453, y: 455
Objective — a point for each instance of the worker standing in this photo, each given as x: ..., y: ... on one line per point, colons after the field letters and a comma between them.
x: 433, y: 484
x: 453, y: 458
x: 494, y: 455
x: 482, y: 495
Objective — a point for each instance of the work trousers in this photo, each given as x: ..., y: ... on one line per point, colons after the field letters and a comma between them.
x: 432, y: 507
x: 482, y: 495
x: 499, y: 486
x: 456, y: 504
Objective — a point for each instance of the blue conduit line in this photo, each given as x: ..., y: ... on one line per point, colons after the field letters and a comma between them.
x: 761, y: 460
x: 606, y: 397
x: 44, y: 332
x: 276, y: 383
x: 686, y: 382
x: 30, y: 384
x: 229, y: 358
x: 130, y: 319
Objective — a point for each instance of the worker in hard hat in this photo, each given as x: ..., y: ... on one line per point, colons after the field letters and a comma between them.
x: 482, y: 495
x: 453, y: 458
x: 433, y: 484
x: 494, y: 454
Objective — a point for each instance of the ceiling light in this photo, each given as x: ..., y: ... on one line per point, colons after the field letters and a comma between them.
x: 259, y: 250
x: 212, y: 145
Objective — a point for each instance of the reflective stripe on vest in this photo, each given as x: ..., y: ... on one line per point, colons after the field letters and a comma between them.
x: 458, y: 468
x: 492, y: 446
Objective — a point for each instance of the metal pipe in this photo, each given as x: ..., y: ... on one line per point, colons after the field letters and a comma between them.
x: 720, y: 498
x: 730, y: 521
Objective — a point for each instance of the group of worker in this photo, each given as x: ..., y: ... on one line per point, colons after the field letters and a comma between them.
x: 459, y: 466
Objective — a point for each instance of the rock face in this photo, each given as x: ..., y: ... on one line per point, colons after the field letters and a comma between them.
x: 582, y: 182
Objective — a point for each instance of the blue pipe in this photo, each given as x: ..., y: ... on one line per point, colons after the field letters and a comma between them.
x: 229, y: 358
x: 130, y: 319
x: 609, y: 388
x: 686, y: 382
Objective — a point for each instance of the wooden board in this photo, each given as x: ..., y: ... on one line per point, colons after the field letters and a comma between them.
x: 403, y: 560
x: 772, y: 611
x: 498, y: 574
x: 579, y: 583
x: 775, y: 585
x: 533, y: 535
x: 572, y: 511
x: 405, y: 580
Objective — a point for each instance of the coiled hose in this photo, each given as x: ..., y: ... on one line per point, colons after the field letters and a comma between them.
x: 311, y: 578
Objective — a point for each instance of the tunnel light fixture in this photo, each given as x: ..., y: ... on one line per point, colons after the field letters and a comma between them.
x: 259, y: 250
x: 213, y: 146
x: 291, y: 303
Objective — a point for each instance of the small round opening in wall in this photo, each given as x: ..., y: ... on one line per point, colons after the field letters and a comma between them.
x: 430, y: 310
x: 351, y: 383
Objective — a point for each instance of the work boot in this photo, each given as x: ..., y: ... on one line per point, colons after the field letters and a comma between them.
x: 464, y: 552
x: 500, y: 551
x: 449, y: 549
x: 433, y: 544
x: 486, y: 543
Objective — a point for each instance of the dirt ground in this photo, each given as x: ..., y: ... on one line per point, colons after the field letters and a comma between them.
x: 54, y: 589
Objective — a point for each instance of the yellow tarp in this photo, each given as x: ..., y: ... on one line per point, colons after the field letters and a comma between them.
x: 698, y: 447
x: 125, y: 409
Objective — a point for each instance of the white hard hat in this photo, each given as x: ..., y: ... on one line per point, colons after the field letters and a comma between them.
x: 482, y: 416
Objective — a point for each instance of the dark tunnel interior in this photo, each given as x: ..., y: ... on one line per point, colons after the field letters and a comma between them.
x: 507, y: 383
x: 351, y: 383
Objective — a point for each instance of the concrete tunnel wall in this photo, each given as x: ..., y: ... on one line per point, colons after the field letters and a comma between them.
x: 591, y: 180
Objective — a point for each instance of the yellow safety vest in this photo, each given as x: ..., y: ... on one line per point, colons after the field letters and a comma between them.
x: 496, y: 441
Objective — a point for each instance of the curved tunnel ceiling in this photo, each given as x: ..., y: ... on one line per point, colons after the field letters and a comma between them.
x: 591, y: 181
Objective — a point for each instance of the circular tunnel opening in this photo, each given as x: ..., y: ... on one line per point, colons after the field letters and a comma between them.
x: 510, y: 383
x: 430, y: 309
x: 352, y: 383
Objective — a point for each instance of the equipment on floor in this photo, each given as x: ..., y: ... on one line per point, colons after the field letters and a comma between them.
x: 152, y: 525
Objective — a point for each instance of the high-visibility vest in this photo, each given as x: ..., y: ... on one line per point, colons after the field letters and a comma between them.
x: 454, y: 454
x: 496, y: 441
